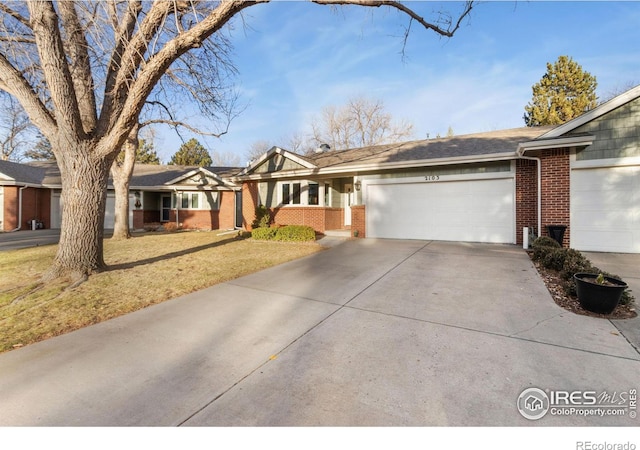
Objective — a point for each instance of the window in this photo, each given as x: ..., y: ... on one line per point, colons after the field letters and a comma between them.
x: 291, y: 193
x: 296, y: 194
x: 307, y: 193
x: 314, y: 194
x: 187, y: 200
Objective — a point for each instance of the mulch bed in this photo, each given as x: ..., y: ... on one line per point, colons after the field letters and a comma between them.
x: 554, y: 284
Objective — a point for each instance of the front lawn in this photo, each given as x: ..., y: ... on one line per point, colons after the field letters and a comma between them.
x: 144, y: 270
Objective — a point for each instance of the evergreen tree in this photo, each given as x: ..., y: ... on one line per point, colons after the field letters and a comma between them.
x: 146, y: 153
x: 191, y: 153
x: 564, y: 92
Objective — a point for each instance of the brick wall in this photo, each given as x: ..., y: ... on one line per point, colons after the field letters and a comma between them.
x: 10, y: 208
x: 249, y: 203
x: 556, y: 193
x: 358, y: 220
x: 526, y: 196
x: 196, y: 219
x: 36, y: 204
x: 227, y: 212
x: 320, y: 219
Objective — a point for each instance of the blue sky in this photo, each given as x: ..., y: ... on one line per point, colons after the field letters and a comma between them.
x: 294, y: 58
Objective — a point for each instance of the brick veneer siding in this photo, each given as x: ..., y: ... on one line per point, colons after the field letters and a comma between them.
x: 138, y: 219
x: 36, y: 204
x: 227, y: 212
x: 526, y: 196
x: 249, y: 203
x: 556, y: 195
x: 320, y: 219
x: 191, y: 219
x: 358, y: 220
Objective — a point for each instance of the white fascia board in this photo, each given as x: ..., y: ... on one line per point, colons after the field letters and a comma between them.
x: 372, y: 167
x: 166, y: 188
x: 19, y: 183
x: 599, y: 111
x: 574, y: 141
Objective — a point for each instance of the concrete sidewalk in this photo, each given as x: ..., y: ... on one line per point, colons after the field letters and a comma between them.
x: 369, y: 332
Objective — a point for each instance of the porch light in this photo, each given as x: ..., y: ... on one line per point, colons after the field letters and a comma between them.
x: 358, y: 185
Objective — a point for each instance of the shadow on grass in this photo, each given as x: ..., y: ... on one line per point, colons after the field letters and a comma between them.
x: 186, y: 251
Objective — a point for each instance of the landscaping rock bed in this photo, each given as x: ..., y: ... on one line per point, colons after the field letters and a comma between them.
x: 555, y: 285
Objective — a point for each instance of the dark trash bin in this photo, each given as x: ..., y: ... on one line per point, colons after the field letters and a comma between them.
x: 556, y: 232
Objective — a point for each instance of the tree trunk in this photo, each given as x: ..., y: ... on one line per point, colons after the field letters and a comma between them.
x: 84, y: 193
x: 121, y: 172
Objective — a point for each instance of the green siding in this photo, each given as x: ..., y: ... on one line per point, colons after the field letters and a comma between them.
x: 617, y: 134
x: 277, y: 163
x: 267, y: 194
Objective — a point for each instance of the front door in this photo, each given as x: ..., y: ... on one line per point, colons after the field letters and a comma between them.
x: 165, y: 212
x: 347, y: 199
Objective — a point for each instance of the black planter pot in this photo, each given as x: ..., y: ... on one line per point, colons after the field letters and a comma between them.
x: 598, y: 298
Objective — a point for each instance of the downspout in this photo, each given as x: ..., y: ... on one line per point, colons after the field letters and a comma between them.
x: 19, y: 227
x: 539, y: 170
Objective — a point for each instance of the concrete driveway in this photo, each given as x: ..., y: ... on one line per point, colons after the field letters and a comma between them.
x: 28, y: 238
x: 370, y: 333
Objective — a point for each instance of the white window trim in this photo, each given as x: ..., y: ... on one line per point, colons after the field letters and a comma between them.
x: 202, y: 201
x: 304, y: 194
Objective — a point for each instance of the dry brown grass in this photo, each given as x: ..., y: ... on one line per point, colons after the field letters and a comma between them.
x: 144, y: 270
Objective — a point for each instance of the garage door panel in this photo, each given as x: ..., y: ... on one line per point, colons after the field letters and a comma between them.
x: 605, y: 209
x: 473, y: 211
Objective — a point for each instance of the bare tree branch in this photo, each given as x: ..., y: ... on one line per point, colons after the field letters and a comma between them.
x: 20, y: 18
x: 159, y: 63
x: 55, y: 68
x: 447, y: 31
x: 15, y: 84
x: 80, y: 65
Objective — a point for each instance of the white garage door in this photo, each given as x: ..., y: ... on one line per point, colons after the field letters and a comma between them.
x: 469, y: 211
x: 109, y: 213
x: 605, y: 209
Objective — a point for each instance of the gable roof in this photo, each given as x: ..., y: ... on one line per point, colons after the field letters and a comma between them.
x: 47, y: 174
x: 493, y: 145
x: 272, y: 152
x: 17, y: 173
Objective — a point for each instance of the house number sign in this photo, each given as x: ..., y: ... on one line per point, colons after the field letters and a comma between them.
x: 432, y: 178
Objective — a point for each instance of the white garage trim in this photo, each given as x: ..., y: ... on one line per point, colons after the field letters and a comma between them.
x: 605, y: 206
x: 469, y: 208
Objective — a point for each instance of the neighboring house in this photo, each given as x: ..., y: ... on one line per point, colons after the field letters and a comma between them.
x: 486, y: 187
x: 194, y: 197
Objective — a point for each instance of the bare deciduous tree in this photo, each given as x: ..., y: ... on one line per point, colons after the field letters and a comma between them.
x: 83, y: 72
x: 15, y: 128
x: 359, y: 123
